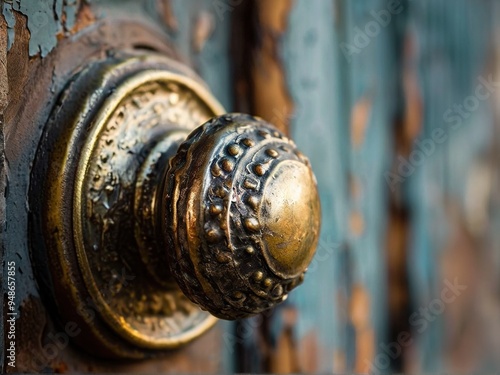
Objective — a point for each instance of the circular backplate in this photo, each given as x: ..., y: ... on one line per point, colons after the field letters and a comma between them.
x: 99, y: 135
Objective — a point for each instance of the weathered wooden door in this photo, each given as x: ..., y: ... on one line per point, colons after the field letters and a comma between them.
x: 393, y: 102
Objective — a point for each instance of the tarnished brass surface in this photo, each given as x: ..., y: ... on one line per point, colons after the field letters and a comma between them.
x: 242, y: 216
x: 150, y: 228
x: 142, y: 113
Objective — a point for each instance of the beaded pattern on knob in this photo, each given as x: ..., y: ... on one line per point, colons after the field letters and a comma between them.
x: 225, y: 269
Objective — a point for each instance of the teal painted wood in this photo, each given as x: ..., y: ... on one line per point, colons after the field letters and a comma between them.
x: 212, y: 60
x: 45, y: 19
x: 324, y: 84
x: 319, y: 80
x: 372, y: 94
x: 310, y: 332
x: 315, y: 75
x: 454, y: 45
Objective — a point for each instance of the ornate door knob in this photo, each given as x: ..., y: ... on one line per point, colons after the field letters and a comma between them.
x: 130, y: 204
x: 241, y: 216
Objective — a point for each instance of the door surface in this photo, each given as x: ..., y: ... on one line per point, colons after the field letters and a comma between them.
x: 393, y: 102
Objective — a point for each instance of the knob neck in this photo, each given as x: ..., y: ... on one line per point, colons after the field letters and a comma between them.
x: 148, y: 204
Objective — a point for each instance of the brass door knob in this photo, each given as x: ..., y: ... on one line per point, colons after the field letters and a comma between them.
x: 241, y: 216
x: 123, y: 185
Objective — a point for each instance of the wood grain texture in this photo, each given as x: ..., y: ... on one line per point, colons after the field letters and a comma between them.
x: 314, y: 70
x: 332, y: 322
x: 446, y: 191
x: 270, y: 96
x: 202, y: 35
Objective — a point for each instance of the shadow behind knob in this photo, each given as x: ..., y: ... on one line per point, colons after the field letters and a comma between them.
x: 241, y: 216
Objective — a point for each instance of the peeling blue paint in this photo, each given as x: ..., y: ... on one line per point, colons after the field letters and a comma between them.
x: 70, y: 9
x: 45, y: 19
x: 42, y: 25
x: 58, y: 8
x: 314, y: 77
x: 11, y: 22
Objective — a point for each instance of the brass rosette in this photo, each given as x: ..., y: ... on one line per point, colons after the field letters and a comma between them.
x: 91, y: 166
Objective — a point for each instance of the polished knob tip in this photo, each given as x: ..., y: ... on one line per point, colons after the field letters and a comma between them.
x: 241, y: 216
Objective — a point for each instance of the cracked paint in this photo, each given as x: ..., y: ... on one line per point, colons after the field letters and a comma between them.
x: 45, y: 20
